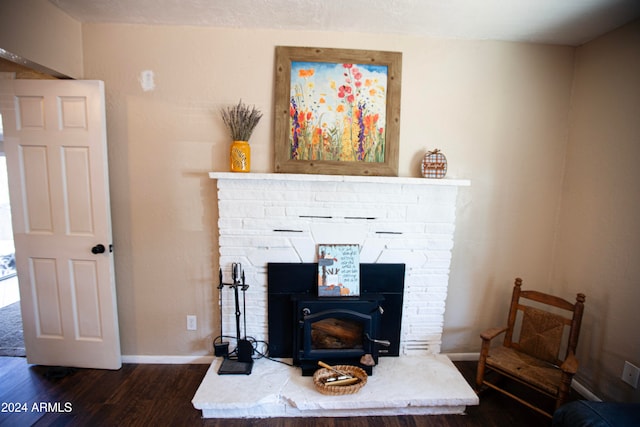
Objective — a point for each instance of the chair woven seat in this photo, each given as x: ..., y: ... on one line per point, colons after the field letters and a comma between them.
x: 541, y: 374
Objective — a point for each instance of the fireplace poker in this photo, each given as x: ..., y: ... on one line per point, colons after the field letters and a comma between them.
x: 221, y: 349
x: 235, y: 273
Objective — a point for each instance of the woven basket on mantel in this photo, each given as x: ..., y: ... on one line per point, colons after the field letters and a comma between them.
x: 321, y: 375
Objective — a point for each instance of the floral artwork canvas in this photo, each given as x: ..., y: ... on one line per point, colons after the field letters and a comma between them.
x: 337, y: 112
x: 339, y: 270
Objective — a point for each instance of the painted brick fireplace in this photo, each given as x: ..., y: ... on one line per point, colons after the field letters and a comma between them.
x: 281, y: 218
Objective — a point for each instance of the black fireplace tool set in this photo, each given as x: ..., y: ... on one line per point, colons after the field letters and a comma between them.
x: 239, y: 361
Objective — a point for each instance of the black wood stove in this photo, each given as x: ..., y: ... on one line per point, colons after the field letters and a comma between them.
x: 336, y: 330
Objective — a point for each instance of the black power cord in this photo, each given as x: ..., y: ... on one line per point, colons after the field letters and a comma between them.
x: 255, y: 344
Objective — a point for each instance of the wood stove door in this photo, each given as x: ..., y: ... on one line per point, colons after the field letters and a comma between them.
x: 336, y: 333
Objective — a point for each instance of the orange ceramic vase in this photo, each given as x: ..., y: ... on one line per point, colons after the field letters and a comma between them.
x: 240, y: 156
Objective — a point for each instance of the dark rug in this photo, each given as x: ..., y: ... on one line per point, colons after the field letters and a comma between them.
x: 11, y: 337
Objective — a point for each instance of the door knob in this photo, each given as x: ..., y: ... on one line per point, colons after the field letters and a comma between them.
x: 98, y: 249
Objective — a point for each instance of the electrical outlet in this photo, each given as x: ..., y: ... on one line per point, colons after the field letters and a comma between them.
x: 630, y: 374
x: 192, y: 323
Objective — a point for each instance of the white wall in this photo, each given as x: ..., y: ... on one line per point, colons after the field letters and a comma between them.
x: 497, y: 110
x: 39, y: 32
x: 599, y: 229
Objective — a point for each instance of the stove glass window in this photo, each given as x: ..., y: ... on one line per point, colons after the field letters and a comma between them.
x: 334, y: 333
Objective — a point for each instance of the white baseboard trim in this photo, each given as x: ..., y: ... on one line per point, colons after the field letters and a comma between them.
x: 463, y: 357
x: 167, y: 360
x: 585, y: 392
x: 473, y: 357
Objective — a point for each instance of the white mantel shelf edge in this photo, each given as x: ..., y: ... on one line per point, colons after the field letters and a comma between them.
x: 339, y: 178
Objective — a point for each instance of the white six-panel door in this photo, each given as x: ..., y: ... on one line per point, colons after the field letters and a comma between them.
x: 55, y: 143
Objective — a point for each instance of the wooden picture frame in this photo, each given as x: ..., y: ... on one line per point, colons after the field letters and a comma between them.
x: 337, y: 111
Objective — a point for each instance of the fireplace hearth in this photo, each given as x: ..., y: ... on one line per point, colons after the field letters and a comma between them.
x: 336, y: 330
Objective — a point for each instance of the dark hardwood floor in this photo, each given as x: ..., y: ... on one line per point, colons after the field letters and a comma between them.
x: 160, y: 395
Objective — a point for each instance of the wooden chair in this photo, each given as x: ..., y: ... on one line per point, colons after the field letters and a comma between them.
x: 539, y: 345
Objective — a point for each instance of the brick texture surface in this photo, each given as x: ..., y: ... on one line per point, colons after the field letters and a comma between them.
x: 263, y: 221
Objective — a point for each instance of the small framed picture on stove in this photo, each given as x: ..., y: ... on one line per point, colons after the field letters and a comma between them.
x: 338, y: 270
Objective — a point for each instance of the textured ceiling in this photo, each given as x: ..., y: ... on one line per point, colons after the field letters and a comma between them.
x: 568, y: 22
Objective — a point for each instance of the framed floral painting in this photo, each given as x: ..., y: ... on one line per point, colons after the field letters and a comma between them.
x: 337, y: 111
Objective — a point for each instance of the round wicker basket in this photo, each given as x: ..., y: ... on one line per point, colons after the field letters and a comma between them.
x: 321, y: 375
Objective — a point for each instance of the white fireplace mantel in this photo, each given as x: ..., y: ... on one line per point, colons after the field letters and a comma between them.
x: 338, y: 178
x: 273, y: 217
